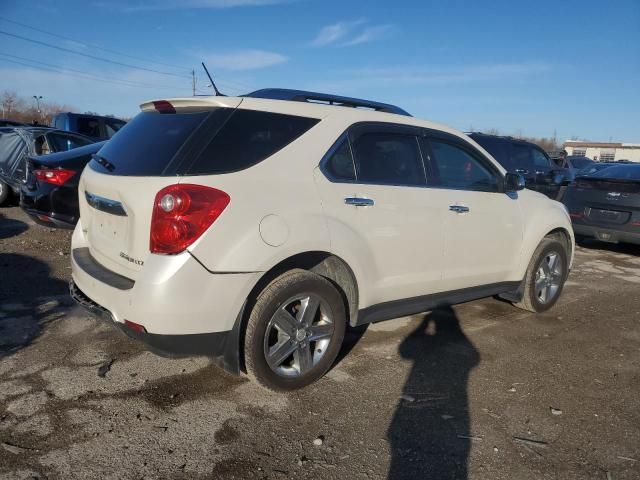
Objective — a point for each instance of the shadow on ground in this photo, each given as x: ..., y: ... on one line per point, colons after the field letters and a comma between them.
x: 625, y: 248
x: 22, y: 318
x: 10, y: 227
x: 429, y: 434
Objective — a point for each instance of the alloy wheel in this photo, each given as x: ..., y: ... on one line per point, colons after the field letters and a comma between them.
x: 298, y: 335
x: 549, y: 277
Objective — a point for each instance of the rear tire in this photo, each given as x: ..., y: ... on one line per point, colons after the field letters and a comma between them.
x: 295, y: 331
x: 5, y: 191
x: 545, y: 277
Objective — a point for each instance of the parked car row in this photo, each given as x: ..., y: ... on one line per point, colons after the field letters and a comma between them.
x: 256, y: 229
x: 19, y: 143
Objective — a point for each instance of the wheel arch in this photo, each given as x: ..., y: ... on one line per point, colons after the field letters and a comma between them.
x: 323, y: 263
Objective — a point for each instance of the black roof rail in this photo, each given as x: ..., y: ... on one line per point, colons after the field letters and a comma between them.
x: 315, y: 97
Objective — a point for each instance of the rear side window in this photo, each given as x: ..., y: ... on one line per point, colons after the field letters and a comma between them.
x: 112, y: 126
x: 147, y: 144
x: 389, y: 158
x: 247, y: 138
x: 458, y: 169
x: 59, y: 122
x: 339, y: 166
x: 498, y: 148
x: 88, y: 126
x: 61, y: 142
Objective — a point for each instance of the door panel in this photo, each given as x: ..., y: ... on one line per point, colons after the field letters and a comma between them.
x: 482, y: 226
x: 390, y: 234
x: 482, y: 244
x: 396, y: 243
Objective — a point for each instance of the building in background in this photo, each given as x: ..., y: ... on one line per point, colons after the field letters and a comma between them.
x: 603, y: 151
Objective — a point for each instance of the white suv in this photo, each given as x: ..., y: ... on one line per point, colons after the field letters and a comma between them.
x: 256, y: 229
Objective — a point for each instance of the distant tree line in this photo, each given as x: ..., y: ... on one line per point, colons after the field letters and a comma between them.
x: 25, y: 109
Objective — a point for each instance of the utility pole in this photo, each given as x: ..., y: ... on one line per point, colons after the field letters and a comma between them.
x: 38, y: 98
x: 193, y: 82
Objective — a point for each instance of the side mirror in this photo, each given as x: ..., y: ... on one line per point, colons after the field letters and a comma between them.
x: 514, y: 182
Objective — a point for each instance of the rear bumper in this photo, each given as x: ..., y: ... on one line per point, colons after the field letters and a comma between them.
x: 606, y: 234
x: 51, y: 206
x: 173, y: 346
x: 49, y: 219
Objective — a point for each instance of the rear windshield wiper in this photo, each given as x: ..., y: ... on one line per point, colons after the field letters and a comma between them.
x: 104, y: 162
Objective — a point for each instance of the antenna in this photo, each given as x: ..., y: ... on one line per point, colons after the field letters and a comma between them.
x: 215, y: 89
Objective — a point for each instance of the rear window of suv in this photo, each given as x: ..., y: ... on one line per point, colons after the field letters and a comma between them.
x: 221, y: 140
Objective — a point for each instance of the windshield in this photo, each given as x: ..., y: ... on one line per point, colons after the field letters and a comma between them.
x: 622, y: 172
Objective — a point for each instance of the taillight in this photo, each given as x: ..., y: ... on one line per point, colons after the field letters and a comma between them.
x: 57, y: 176
x: 181, y: 213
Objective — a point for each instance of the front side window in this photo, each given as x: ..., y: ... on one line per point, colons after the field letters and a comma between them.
x: 458, y: 169
x: 339, y: 166
x: 540, y: 160
x: 521, y: 158
x: 389, y: 158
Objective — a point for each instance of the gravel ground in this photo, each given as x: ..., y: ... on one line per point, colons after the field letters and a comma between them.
x: 480, y: 391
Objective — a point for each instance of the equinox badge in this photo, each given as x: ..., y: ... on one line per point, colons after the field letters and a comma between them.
x: 130, y: 259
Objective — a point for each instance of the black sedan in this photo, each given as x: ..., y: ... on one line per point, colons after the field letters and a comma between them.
x: 604, y: 203
x: 17, y: 143
x: 50, y: 193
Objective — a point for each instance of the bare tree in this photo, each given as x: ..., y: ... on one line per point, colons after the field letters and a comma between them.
x: 9, y: 100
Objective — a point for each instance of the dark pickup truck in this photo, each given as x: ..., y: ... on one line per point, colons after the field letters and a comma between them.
x: 529, y: 160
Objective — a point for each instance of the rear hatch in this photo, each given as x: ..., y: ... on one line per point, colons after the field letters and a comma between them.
x: 119, y: 185
x: 608, y: 202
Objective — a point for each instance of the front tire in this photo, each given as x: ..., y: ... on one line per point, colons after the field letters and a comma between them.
x: 545, y: 277
x: 294, y: 331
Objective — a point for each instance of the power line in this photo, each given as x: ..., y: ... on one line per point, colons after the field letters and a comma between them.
x: 94, y: 57
x: 83, y: 75
x: 62, y: 69
x: 233, y: 85
x: 93, y: 45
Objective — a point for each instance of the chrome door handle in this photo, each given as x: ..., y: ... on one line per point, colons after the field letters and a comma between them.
x: 458, y: 208
x: 522, y: 171
x: 359, y: 202
x: 540, y: 172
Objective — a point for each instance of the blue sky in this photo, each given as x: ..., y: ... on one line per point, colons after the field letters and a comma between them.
x: 519, y: 66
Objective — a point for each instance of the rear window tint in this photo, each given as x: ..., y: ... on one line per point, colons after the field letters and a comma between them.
x: 88, y: 126
x: 147, y: 144
x: 222, y: 140
x: 247, y: 138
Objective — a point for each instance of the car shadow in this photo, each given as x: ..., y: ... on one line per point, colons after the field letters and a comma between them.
x: 10, y: 227
x: 22, y: 315
x: 625, y: 248
x: 429, y: 434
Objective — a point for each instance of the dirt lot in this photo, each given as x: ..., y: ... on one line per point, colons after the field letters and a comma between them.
x: 481, y: 391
